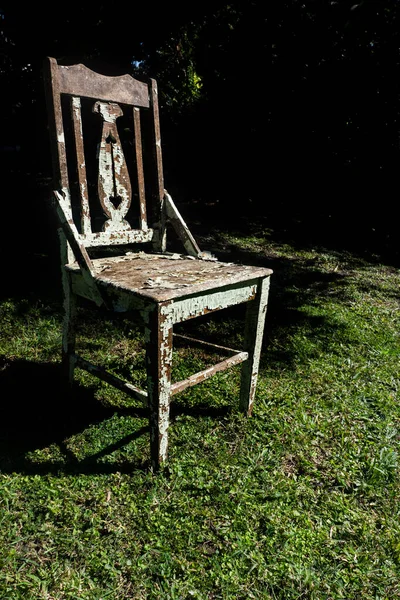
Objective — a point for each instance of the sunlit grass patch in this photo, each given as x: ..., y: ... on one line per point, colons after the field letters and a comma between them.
x: 299, y: 501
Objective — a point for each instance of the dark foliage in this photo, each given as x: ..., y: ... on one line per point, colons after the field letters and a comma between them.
x: 328, y: 152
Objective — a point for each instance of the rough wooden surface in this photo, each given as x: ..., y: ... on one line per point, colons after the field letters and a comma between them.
x: 164, y: 277
x: 78, y: 80
x: 114, y: 186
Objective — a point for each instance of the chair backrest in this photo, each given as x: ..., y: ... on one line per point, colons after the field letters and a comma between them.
x: 118, y: 178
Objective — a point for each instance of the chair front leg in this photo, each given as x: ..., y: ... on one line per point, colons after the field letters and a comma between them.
x: 158, y: 336
x: 254, y: 329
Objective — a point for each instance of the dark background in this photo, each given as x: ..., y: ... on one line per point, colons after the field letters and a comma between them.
x: 307, y: 144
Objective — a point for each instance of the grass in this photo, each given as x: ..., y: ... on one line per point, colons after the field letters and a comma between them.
x: 299, y: 502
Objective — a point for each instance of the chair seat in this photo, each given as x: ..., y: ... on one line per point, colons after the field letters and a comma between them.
x: 166, y: 277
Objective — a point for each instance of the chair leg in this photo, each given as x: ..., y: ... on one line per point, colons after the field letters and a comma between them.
x: 69, y: 333
x: 254, y: 329
x: 158, y: 336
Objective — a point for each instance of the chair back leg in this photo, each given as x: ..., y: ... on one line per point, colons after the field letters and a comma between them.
x: 69, y: 333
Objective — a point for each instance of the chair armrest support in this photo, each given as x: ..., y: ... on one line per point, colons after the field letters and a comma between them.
x: 62, y: 209
x: 180, y: 227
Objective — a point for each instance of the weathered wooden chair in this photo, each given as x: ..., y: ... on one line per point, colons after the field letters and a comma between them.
x: 164, y: 288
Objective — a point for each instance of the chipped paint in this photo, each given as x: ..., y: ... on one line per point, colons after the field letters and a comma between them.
x: 255, y: 320
x: 108, y: 238
x: 209, y: 372
x: 62, y: 207
x: 158, y: 336
x: 180, y: 226
x: 139, y: 168
x: 163, y: 289
x: 80, y: 160
x: 160, y: 240
x: 114, y: 186
x: 201, y: 304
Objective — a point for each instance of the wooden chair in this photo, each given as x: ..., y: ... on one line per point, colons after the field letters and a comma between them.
x: 163, y: 288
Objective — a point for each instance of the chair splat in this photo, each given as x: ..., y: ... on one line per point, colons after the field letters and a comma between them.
x: 114, y: 186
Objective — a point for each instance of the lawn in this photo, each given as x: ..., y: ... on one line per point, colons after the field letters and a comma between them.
x: 301, y: 501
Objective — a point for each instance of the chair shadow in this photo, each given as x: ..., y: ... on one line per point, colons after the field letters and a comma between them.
x: 35, y: 414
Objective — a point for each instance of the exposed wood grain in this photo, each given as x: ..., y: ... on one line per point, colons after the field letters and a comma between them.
x: 139, y: 168
x: 180, y: 226
x: 61, y: 207
x: 56, y: 127
x: 161, y: 240
x: 210, y: 345
x: 254, y: 329
x: 207, y: 373
x: 163, y: 278
x: 78, y: 80
x: 81, y: 165
x: 158, y: 337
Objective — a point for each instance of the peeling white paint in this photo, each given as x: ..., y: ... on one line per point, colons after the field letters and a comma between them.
x: 80, y: 156
x: 109, y: 237
x: 180, y: 226
x: 255, y: 321
x: 113, y: 172
x: 259, y: 323
x: 76, y: 105
x: 164, y: 384
x: 159, y: 359
x: 194, y: 306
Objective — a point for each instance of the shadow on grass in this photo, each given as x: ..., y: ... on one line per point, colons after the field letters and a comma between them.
x: 35, y: 414
x: 295, y: 283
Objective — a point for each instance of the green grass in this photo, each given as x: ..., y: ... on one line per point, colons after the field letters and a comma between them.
x: 301, y: 501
